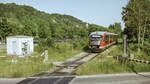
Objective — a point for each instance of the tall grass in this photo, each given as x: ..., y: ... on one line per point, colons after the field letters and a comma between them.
x: 22, y: 68
x: 104, y: 66
x: 143, y: 54
x: 2, y: 52
x: 62, y: 51
x: 110, y: 65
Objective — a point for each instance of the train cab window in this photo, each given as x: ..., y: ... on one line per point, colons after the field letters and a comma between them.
x: 95, y: 37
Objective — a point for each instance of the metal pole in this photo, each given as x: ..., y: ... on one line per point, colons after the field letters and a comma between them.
x: 72, y: 44
x: 125, y: 46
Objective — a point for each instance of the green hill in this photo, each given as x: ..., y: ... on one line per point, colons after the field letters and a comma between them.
x: 26, y: 20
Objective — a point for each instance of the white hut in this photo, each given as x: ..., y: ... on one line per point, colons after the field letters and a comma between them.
x: 19, y: 45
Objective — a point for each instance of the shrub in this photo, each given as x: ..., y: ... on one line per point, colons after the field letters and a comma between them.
x: 45, y: 43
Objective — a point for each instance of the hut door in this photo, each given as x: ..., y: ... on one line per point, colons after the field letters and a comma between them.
x: 14, y: 45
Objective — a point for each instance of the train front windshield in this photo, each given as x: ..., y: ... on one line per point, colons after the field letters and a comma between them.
x: 95, y: 39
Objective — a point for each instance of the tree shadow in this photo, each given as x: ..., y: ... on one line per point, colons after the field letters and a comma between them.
x: 132, y: 67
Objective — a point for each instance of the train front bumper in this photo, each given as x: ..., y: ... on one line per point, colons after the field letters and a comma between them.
x: 95, y: 48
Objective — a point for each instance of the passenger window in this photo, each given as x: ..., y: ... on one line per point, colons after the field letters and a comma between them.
x: 111, y: 38
x: 106, y: 38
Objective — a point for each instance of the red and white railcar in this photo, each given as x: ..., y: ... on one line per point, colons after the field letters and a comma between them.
x: 100, y: 40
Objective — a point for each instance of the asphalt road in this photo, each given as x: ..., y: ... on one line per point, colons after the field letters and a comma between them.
x: 143, y: 78
x: 10, y: 80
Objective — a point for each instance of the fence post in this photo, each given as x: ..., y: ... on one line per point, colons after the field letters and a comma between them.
x: 46, y: 57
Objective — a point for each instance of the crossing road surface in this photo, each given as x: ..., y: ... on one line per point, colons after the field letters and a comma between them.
x: 10, y: 80
x: 143, y: 78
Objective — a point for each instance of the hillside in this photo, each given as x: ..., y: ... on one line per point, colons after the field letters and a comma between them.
x: 26, y: 20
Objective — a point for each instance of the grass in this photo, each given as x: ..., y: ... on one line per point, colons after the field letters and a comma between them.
x: 22, y: 69
x: 143, y: 54
x: 110, y: 65
x: 104, y: 66
x: 62, y: 52
x: 35, y: 65
x: 3, y: 52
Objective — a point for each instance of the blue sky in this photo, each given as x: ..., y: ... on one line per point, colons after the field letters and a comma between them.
x: 100, y: 12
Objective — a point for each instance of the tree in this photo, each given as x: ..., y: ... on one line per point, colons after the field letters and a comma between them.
x: 5, y: 29
x: 29, y: 29
x: 116, y: 28
x: 43, y: 31
x: 137, y: 19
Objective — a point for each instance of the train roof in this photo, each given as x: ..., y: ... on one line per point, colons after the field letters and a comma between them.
x: 102, y: 33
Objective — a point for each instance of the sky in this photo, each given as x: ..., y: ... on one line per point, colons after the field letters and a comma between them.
x: 100, y: 12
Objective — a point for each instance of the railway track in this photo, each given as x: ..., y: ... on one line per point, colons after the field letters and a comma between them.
x: 63, y: 73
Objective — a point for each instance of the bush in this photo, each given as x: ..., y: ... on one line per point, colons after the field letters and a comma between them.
x: 44, y: 44
x: 62, y: 47
x: 145, y: 47
x: 133, y: 47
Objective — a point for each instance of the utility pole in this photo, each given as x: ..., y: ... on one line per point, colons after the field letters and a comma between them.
x: 72, y: 44
x: 125, y: 46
